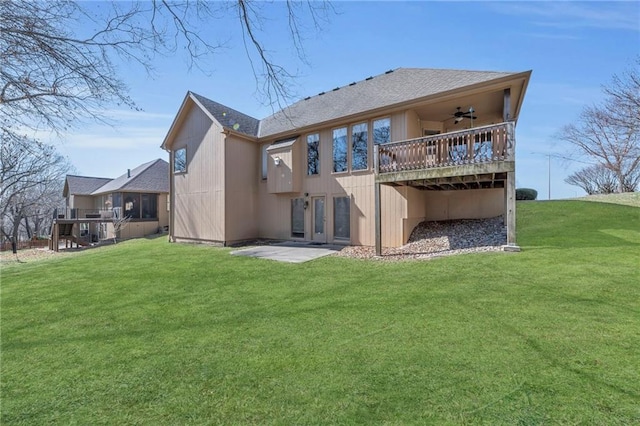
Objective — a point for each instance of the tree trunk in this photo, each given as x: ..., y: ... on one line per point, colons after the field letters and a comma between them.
x: 28, y: 228
x: 14, y: 236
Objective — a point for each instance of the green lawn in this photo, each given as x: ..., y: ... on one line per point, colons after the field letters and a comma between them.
x: 148, y: 332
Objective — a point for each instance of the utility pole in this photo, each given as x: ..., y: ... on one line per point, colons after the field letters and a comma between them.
x: 549, y: 176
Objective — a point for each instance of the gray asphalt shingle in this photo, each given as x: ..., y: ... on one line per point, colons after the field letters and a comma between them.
x: 148, y: 177
x: 83, y: 185
x: 229, y: 117
x: 385, y: 90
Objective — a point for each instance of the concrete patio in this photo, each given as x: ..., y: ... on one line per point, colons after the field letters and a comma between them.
x: 291, y: 252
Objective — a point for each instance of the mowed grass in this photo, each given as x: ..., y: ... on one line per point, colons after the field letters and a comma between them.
x: 148, y: 332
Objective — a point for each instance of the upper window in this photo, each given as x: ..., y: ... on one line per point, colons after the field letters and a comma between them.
x: 382, y: 130
x: 313, y: 154
x: 340, y: 149
x: 180, y: 160
x: 359, y: 159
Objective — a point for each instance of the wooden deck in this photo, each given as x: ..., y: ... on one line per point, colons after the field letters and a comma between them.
x: 476, y: 158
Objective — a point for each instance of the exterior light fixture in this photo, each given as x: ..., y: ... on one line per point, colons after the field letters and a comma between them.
x: 276, y: 161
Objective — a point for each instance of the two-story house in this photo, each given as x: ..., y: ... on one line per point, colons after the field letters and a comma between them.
x: 361, y: 164
x: 92, y: 204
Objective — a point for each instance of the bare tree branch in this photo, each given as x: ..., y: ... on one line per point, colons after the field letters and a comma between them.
x: 610, y: 134
x: 54, y: 77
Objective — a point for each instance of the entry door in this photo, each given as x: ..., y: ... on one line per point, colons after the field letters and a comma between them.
x: 318, y: 219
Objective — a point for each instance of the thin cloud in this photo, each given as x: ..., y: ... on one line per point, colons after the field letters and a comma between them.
x: 573, y: 15
x: 130, y: 115
x: 124, y: 138
x: 551, y: 36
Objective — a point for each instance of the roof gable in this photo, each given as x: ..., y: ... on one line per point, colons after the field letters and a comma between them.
x: 225, y: 116
x: 148, y: 177
x: 82, y: 185
x: 229, y: 117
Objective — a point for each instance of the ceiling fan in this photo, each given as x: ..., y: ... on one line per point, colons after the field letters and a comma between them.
x: 460, y: 115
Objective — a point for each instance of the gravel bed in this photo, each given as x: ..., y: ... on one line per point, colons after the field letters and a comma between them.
x: 434, y: 239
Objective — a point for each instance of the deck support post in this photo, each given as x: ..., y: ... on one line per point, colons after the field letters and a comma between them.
x: 378, y: 221
x: 511, y: 212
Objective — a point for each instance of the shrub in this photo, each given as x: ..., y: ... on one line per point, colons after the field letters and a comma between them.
x: 526, y: 194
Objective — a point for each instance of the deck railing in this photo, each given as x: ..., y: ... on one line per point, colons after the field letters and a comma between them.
x: 86, y: 213
x: 484, y: 144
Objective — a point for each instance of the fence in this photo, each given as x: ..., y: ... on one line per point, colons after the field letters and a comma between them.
x: 6, y: 246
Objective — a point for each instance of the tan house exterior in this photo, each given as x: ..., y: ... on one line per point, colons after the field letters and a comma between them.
x: 361, y: 164
x: 91, y: 204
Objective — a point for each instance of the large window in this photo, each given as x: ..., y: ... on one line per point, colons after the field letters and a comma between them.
x: 341, y: 218
x: 340, y: 150
x: 359, y: 159
x: 313, y: 154
x: 134, y: 205
x: 382, y: 130
x: 116, y: 204
x: 180, y: 160
x: 297, y: 217
x: 149, y: 203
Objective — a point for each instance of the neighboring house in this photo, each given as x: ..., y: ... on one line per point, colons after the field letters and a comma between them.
x: 361, y: 164
x: 140, y: 194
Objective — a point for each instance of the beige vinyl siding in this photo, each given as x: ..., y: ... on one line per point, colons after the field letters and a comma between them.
x: 82, y: 202
x: 416, y: 211
x: 199, y: 196
x: 242, y: 177
x: 414, y: 126
x: 274, y: 216
x: 467, y: 204
x: 163, y: 214
x: 137, y: 229
x: 286, y: 177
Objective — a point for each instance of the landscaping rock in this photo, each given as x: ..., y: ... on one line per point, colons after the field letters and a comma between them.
x: 433, y: 239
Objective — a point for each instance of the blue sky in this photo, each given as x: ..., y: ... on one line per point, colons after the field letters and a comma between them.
x: 572, y: 47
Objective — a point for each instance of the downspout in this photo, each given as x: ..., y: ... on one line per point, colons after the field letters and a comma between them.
x: 171, y: 195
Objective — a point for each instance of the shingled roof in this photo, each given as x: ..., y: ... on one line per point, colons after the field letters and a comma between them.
x: 229, y: 117
x: 148, y: 177
x: 385, y: 90
x: 393, y: 88
x: 82, y: 185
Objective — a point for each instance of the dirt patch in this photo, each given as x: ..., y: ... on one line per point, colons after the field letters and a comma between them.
x: 29, y: 255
